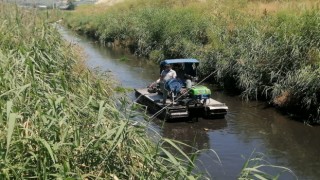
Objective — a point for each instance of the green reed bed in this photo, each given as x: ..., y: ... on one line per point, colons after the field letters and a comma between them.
x: 154, y: 31
x: 276, y: 58
x: 58, y: 120
x: 267, y: 54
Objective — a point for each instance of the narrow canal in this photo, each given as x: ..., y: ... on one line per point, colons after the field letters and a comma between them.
x: 248, y: 127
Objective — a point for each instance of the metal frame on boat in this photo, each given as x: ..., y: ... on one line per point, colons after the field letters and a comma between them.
x: 187, y: 99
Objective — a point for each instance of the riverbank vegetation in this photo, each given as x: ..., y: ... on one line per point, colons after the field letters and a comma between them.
x: 264, y: 49
x: 59, y: 120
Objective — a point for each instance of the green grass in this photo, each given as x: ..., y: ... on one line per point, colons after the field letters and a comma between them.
x: 58, y: 120
x: 256, y: 167
x: 256, y: 47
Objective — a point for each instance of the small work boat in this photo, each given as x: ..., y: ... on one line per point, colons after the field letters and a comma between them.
x: 187, y: 99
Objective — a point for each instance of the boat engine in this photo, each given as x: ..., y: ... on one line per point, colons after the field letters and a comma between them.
x: 196, y: 101
x: 200, y: 93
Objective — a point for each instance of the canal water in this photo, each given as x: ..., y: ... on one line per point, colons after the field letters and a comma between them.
x: 248, y: 130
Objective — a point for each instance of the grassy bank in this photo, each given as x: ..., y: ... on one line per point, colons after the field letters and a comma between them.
x: 58, y: 120
x: 264, y: 49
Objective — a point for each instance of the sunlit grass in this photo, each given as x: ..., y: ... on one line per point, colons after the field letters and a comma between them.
x: 262, y: 8
x: 250, y: 45
x: 256, y: 167
x: 59, y: 120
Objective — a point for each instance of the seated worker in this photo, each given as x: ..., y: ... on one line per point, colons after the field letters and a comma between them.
x: 166, y: 75
x: 182, y: 76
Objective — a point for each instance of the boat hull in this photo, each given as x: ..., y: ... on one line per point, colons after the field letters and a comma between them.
x: 179, y: 109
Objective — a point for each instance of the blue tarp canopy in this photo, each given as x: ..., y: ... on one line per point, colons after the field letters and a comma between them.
x: 175, y: 61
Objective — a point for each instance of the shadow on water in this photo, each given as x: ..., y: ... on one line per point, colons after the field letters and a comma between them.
x: 248, y: 126
x: 194, y: 134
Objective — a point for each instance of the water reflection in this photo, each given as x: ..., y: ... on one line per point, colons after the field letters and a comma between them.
x: 194, y: 134
x: 248, y: 127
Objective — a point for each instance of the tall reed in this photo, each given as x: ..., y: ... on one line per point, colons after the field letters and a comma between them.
x: 249, y: 49
x: 256, y: 167
x: 58, y: 120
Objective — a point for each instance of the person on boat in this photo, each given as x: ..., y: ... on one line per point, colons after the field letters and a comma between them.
x: 166, y: 74
x: 182, y: 76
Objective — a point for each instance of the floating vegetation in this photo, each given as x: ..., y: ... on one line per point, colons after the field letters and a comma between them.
x: 124, y: 58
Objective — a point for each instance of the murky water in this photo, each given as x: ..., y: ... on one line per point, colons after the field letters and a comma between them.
x: 248, y: 127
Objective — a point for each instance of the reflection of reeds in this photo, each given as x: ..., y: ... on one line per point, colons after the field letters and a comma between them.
x: 254, y: 51
x: 59, y: 120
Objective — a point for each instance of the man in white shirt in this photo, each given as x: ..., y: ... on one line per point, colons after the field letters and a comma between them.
x: 166, y: 75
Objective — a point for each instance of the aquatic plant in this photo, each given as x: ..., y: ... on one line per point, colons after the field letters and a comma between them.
x: 256, y: 167
x: 250, y: 49
x: 59, y: 120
